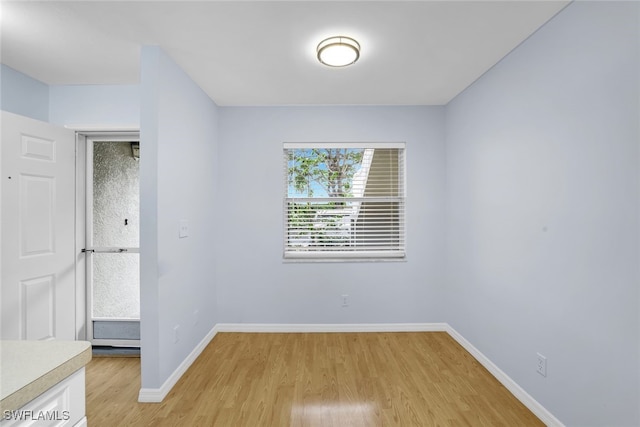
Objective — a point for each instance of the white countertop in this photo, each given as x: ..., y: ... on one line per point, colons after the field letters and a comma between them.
x: 29, y: 368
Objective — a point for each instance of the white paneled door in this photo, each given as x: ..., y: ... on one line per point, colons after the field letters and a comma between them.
x: 38, y: 206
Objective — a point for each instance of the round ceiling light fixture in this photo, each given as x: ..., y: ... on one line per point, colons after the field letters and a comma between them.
x: 338, y: 51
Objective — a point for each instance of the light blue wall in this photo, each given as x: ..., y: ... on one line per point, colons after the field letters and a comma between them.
x: 255, y: 285
x: 91, y: 105
x: 103, y: 105
x: 178, y: 181
x: 23, y: 95
x: 543, y: 214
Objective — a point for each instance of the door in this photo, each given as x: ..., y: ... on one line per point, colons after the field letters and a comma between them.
x: 37, y: 230
x: 113, y: 235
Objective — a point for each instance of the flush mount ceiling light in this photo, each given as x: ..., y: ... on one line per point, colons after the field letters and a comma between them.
x: 338, y: 51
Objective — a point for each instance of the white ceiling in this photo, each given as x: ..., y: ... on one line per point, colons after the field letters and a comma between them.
x: 263, y: 52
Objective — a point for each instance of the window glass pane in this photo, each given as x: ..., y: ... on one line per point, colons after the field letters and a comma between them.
x: 344, y: 201
x: 330, y: 172
x: 116, y: 201
x: 116, y: 285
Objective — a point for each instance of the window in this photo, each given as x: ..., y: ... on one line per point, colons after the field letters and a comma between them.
x: 344, y: 200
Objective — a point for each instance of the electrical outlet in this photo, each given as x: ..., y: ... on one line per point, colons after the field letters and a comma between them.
x: 196, y: 317
x: 541, y: 366
x: 176, y: 335
x: 183, y: 229
x: 345, y: 300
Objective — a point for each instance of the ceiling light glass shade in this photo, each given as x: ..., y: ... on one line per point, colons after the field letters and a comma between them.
x: 338, y: 51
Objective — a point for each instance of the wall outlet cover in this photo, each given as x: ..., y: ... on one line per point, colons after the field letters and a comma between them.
x: 183, y: 228
x: 541, y: 365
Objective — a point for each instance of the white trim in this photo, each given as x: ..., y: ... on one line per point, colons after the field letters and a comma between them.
x: 102, y: 135
x: 343, y: 255
x: 518, y: 392
x: 87, y: 129
x: 310, y: 260
x: 88, y: 235
x: 111, y: 136
x: 80, y: 238
x: 151, y: 395
x: 306, y: 145
x: 331, y: 327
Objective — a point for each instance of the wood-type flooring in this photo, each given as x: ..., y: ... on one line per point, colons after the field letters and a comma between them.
x: 314, y: 379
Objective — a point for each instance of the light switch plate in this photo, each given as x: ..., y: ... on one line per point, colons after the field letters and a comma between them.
x: 183, y: 229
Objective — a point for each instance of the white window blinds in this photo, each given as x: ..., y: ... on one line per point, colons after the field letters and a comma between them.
x: 344, y: 200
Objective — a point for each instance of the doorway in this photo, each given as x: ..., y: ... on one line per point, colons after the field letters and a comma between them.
x: 112, y: 239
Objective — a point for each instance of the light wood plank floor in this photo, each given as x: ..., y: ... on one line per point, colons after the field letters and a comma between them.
x: 350, y: 379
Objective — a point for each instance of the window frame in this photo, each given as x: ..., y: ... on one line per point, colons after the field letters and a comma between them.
x: 348, y: 255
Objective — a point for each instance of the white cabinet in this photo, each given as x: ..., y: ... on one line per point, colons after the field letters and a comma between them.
x: 61, y: 405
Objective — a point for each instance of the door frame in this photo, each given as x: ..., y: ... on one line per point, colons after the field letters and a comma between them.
x: 84, y: 326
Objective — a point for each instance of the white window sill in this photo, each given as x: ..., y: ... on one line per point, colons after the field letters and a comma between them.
x: 309, y: 260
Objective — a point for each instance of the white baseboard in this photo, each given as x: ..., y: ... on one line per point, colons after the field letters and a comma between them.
x: 524, y: 397
x: 156, y: 395
x: 331, y: 327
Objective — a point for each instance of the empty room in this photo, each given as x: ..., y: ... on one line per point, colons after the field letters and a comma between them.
x: 320, y: 213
